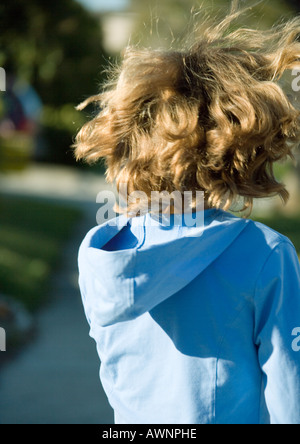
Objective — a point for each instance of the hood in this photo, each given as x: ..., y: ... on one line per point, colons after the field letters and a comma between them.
x: 121, y: 279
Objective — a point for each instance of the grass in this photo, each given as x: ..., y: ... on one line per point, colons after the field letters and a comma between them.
x: 32, y: 234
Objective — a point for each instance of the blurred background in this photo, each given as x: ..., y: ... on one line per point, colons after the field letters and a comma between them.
x: 54, y: 54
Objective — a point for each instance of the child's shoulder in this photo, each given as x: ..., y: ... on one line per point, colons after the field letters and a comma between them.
x: 258, y: 231
x: 267, y: 235
x: 258, y: 236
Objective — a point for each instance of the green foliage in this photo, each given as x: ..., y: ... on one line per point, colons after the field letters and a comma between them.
x: 59, y: 127
x: 56, y: 46
x: 15, y: 152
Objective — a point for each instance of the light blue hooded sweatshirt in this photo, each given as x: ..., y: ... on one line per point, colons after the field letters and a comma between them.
x: 194, y: 325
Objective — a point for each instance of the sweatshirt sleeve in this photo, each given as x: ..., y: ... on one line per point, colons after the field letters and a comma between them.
x: 277, y: 333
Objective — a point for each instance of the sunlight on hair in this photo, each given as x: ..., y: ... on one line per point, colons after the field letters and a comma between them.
x: 210, y: 117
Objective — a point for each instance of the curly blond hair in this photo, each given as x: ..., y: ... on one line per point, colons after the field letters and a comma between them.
x: 211, y: 117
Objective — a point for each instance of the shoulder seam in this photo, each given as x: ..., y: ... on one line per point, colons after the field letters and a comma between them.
x: 280, y: 237
x: 283, y: 241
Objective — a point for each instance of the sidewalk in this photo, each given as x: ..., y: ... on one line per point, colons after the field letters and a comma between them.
x: 61, y: 183
x: 54, y: 379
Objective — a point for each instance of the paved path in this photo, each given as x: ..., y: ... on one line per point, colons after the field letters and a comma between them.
x: 54, y: 379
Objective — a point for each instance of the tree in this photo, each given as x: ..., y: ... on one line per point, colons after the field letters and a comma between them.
x: 55, y: 46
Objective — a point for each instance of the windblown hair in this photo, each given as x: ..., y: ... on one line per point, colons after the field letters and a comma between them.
x: 211, y: 117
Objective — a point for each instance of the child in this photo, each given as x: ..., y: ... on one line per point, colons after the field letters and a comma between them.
x: 196, y: 324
